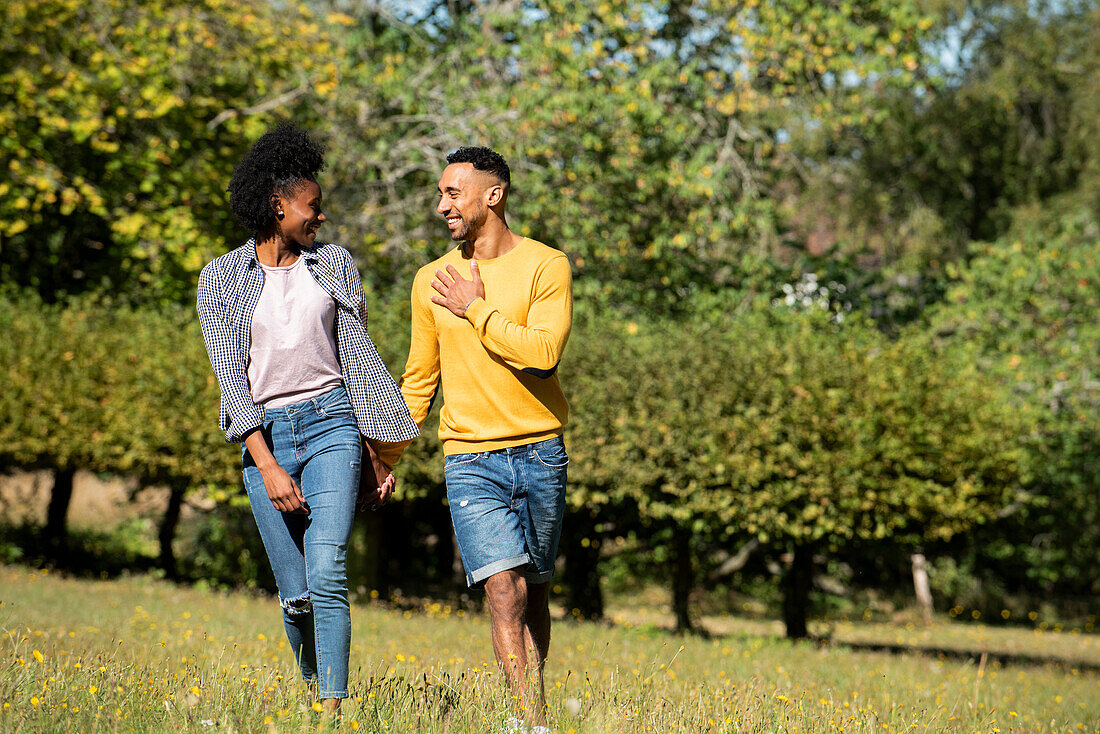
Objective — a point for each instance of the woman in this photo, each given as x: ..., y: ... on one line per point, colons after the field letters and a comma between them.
x: 303, y: 389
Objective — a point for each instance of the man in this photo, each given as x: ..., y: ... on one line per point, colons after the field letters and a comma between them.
x: 489, y: 321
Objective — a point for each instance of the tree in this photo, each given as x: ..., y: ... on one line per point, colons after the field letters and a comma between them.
x: 124, y: 120
x: 808, y: 435
x: 1005, y: 121
x: 103, y: 387
x: 51, y: 389
x: 849, y: 440
x: 1026, y: 307
x: 658, y: 152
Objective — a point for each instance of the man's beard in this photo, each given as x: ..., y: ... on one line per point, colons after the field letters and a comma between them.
x: 468, y: 230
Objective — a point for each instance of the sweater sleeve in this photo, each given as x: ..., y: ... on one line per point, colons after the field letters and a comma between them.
x: 536, y: 347
x: 420, y: 379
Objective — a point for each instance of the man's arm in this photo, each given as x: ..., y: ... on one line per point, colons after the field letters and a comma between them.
x: 421, y: 377
x: 535, y: 347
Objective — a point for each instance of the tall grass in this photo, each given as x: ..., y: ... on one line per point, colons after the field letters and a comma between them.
x: 142, y: 655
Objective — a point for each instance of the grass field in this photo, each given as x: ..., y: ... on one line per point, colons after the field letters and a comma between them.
x: 137, y: 654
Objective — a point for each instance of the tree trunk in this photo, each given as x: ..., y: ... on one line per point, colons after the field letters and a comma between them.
x: 796, y: 592
x: 582, y: 566
x: 683, y: 578
x: 60, y: 497
x: 167, y: 532
x: 920, y: 586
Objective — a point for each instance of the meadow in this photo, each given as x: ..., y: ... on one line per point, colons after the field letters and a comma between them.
x: 139, y: 654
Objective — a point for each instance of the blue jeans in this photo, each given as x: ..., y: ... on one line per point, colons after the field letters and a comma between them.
x: 507, y: 507
x: 317, y: 442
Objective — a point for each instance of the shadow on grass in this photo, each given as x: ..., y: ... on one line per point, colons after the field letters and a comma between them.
x: 81, y: 553
x: 957, y: 654
x: 993, y: 656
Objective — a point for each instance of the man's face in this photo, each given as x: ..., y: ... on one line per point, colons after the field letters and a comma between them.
x: 463, y: 202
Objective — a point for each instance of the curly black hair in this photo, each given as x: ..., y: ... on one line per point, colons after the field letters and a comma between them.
x: 277, y: 163
x: 483, y: 159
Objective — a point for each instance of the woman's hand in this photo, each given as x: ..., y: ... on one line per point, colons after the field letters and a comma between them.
x: 376, y: 481
x: 282, y: 490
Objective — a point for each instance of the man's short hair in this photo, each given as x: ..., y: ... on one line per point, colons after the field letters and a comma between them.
x: 483, y: 159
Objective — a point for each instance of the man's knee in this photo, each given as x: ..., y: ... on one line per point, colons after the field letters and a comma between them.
x: 507, y: 594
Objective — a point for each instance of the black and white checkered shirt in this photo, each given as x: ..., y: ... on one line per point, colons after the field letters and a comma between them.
x: 229, y: 288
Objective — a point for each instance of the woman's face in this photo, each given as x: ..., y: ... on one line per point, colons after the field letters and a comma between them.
x: 302, y: 214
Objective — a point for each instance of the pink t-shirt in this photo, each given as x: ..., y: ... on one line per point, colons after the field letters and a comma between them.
x: 293, y: 352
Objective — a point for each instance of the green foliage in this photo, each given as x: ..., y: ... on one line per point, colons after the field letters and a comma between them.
x: 123, y: 122
x: 1026, y: 307
x: 99, y: 552
x: 655, y: 149
x: 799, y: 430
x: 786, y: 426
x: 111, y: 388
x: 28, y: 350
x: 1009, y: 121
x: 221, y: 547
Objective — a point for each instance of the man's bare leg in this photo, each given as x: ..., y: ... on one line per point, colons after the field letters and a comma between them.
x: 507, y: 593
x: 537, y: 640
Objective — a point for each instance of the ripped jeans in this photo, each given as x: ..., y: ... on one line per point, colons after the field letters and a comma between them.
x: 317, y: 442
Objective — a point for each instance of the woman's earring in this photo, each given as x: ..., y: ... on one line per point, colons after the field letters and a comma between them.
x: 279, y: 216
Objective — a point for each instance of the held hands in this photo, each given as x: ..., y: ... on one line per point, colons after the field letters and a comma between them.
x: 286, y: 496
x: 455, y: 292
x: 374, y: 490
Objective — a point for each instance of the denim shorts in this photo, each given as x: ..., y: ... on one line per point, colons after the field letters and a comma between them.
x: 507, y: 507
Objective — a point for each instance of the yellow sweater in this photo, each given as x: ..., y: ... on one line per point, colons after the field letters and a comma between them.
x: 498, y: 365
